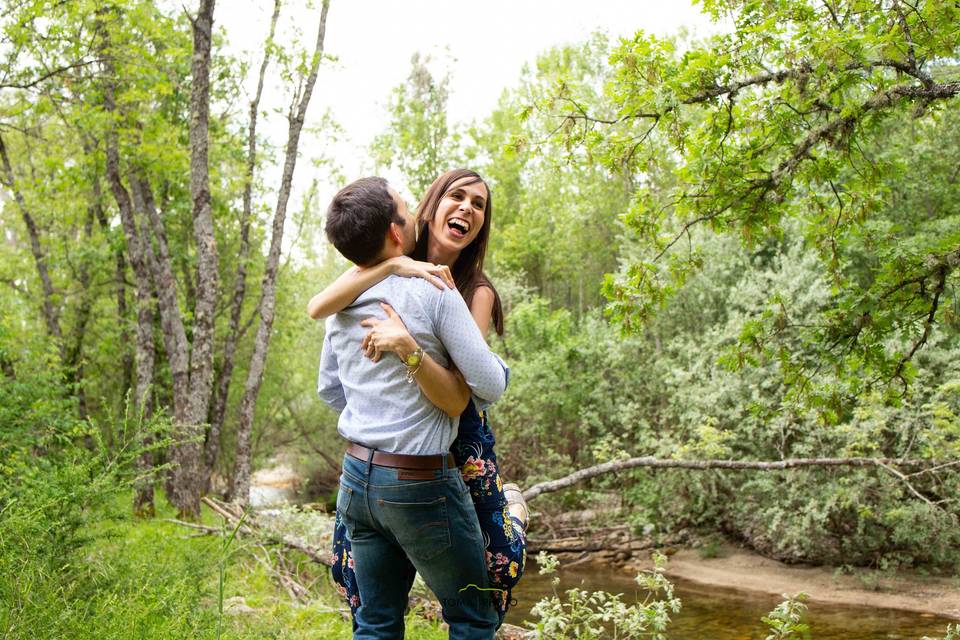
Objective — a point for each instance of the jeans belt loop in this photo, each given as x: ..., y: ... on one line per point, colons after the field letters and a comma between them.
x: 370, y: 455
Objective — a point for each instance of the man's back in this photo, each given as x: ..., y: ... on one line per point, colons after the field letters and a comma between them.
x: 379, y: 408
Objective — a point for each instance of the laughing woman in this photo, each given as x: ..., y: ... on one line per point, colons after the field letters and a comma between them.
x: 453, y: 225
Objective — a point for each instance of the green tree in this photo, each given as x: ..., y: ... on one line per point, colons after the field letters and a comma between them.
x: 556, y: 226
x: 772, y: 125
x: 418, y: 141
x: 98, y: 155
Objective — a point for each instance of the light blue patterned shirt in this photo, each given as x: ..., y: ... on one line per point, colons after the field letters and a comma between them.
x: 378, y: 407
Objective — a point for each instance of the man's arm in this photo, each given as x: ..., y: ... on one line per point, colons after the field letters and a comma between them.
x: 328, y: 383
x: 484, y: 372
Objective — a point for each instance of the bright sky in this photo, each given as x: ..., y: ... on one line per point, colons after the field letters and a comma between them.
x: 484, y: 45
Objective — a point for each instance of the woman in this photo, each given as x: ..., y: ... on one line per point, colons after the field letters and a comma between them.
x: 453, y: 227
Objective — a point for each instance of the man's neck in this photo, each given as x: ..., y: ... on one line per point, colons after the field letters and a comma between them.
x: 388, y: 252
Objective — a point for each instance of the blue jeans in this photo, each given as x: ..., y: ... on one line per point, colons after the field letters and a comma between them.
x: 395, y: 526
x: 503, y: 535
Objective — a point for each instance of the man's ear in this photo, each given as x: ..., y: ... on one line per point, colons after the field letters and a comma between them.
x: 395, y: 234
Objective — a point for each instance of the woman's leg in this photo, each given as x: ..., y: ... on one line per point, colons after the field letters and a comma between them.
x: 504, y: 535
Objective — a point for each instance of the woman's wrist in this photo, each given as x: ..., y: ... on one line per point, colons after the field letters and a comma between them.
x: 392, y: 265
x: 406, y: 347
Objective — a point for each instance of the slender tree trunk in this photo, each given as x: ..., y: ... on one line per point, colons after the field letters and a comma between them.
x: 144, y: 353
x: 171, y: 322
x: 240, y: 490
x: 50, y: 314
x: 121, y: 270
x: 212, y: 450
x: 188, y: 477
x: 74, y: 349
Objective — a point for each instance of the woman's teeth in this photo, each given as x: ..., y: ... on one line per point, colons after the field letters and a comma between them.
x: 458, y: 228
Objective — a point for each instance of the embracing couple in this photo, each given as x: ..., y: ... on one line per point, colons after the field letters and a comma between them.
x: 405, y: 362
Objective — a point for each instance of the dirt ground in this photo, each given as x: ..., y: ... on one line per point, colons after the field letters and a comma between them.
x: 736, y: 568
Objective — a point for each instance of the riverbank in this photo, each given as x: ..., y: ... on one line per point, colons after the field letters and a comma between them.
x: 738, y: 569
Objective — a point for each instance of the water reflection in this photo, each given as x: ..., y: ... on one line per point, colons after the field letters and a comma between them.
x: 721, y: 614
x: 262, y: 496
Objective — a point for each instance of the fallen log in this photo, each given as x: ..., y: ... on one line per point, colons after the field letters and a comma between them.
x: 228, y: 513
x: 232, y: 515
x: 886, y: 464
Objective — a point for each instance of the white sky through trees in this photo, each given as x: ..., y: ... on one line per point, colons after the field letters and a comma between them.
x: 484, y: 45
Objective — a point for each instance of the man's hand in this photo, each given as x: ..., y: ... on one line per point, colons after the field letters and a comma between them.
x: 438, y: 275
x: 387, y: 335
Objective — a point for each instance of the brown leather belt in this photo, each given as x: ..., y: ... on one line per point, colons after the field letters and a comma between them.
x: 399, y: 460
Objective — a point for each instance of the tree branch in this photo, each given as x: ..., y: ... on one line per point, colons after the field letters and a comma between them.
x: 46, y: 76
x: 50, y: 312
x: 735, y: 465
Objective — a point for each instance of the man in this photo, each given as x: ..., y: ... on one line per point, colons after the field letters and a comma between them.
x: 401, y: 495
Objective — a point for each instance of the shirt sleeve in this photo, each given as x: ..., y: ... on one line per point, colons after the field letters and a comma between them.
x: 484, y: 372
x: 328, y: 385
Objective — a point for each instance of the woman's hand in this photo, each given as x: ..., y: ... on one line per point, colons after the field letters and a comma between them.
x: 438, y: 275
x: 386, y: 336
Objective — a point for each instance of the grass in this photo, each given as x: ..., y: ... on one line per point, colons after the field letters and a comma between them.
x: 148, y: 579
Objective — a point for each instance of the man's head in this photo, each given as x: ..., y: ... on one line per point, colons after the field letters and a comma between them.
x: 368, y: 222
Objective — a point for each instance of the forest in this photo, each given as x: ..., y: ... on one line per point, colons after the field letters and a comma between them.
x: 729, y: 267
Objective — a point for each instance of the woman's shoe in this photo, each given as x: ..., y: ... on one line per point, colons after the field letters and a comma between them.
x: 516, y: 505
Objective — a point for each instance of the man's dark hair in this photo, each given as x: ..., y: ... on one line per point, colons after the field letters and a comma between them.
x: 358, y: 219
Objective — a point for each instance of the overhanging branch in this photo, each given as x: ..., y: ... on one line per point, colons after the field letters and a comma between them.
x: 735, y: 465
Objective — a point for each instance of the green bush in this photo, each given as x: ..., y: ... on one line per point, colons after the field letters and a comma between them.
x: 75, y: 562
x: 63, y: 495
x: 581, y: 393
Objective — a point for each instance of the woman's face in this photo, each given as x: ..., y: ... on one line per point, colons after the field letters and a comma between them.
x: 459, y: 215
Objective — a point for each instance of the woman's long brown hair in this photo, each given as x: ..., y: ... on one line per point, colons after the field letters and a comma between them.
x: 468, y: 269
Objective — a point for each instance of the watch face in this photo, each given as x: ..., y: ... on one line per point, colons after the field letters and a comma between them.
x: 413, y: 359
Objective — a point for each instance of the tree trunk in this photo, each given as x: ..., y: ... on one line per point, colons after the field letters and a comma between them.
x: 171, y: 322
x: 74, y: 350
x: 212, y: 449
x: 120, y: 277
x: 240, y: 490
x: 50, y: 314
x: 144, y: 354
x: 188, y: 477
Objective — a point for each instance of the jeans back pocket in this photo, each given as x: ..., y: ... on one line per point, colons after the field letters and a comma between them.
x: 421, y: 527
x: 344, y: 497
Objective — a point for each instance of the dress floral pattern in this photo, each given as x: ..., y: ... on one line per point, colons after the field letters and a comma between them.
x: 503, y: 535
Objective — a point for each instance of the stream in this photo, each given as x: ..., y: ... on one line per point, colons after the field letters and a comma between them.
x: 710, y: 613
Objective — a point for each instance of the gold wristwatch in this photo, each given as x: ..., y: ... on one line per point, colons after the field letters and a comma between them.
x: 413, y: 362
x: 414, y: 359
